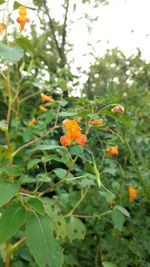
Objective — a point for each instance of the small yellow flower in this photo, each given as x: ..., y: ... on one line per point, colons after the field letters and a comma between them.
x: 112, y: 151
x: 97, y: 122
x: 43, y: 109
x: 32, y: 122
x: 2, y: 28
x: 22, y: 19
x: 46, y: 98
x: 133, y: 192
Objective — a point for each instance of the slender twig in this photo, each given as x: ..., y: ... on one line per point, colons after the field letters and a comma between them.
x: 62, y: 180
x: 78, y: 203
x: 139, y: 175
x: 34, y: 141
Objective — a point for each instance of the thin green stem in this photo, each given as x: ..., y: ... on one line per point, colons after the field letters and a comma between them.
x: 139, y: 175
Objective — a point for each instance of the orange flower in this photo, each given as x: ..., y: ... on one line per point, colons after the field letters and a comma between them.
x: 22, y: 19
x: 32, y: 122
x: 2, y: 28
x: 73, y: 133
x: 118, y: 109
x: 97, y: 122
x: 46, y: 98
x: 112, y: 151
x: 133, y: 192
x: 43, y: 109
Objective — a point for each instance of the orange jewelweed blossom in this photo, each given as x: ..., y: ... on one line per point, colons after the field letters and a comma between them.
x: 43, y: 109
x: 32, y: 122
x: 112, y: 151
x: 2, y: 28
x: 73, y: 133
x: 22, y: 19
x: 97, y: 122
x: 46, y: 98
x: 133, y: 192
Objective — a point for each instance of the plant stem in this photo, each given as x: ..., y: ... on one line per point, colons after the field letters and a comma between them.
x: 78, y: 203
x: 62, y: 180
x: 137, y: 168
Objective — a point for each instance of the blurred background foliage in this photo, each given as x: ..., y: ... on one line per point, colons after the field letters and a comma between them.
x: 113, y: 78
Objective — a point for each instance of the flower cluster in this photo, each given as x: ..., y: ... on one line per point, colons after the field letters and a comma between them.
x: 133, y: 192
x: 73, y: 133
x: 22, y: 19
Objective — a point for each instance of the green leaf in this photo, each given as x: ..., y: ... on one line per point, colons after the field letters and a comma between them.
x: 37, y: 205
x: 11, y: 221
x: 25, y: 44
x: 2, y: 1
x: 118, y: 118
x: 59, y: 223
x: 78, y: 151
x: 61, y: 173
x: 17, y: 5
x: 11, y: 54
x: 118, y: 219
x: 7, y: 192
x: 32, y: 163
x: 48, y: 147
x: 67, y: 114
x: 3, y: 152
x: 122, y: 210
x: 45, y: 249
x: 3, y: 126
x: 108, y: 264
x: 75, y: 229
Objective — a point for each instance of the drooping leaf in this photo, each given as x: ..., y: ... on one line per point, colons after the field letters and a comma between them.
x: 37, y: 205
x: 118, y: 118
x: 45, y: 249
x: 118, y: 219
x: 11, y: 221
x: 75, y: 229
x: 67, y: 114
x: 25, y: 44
x: 108, y: 264
x: 32, y: 163
x: 11, y: 54
x: 7, y: 191
x: 18, y: 4
x: 53, y: 211
x: 122, y: 210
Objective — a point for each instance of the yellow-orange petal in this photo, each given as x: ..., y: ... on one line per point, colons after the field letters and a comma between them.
x: 97, y: 122
x: 133, y: 192
x: 65, y: 140
x: 22, y: 10
x: 81, y: 140
x: 43, y: 109
x: 32, y: 122
x: 46, y: 98
x: 2, y: 27
x: 112, y: 151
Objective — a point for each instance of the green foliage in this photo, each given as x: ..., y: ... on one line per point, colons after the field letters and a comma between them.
x: 39, y: 238
x: 69, y: 206
x: 11, y: 221
x: 11, y: 54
